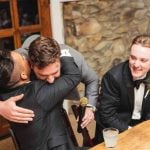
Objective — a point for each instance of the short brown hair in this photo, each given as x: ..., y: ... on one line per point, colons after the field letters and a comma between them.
x: 43, y: 51
x: 143, y: 40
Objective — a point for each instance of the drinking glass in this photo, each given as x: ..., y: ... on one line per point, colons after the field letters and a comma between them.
x: 110, y: 137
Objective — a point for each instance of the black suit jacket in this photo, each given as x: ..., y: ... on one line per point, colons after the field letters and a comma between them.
x: 117, y: 99
x: 47, y: 130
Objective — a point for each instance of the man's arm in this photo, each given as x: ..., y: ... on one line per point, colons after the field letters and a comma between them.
x: 88, y: 75
x: 11, y: 112
x: 91, y: 81
x: 109, y: 103
x: 56, y: 92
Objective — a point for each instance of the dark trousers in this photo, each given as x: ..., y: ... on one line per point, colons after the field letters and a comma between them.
x: 134, y: 122
x: 98, y: 134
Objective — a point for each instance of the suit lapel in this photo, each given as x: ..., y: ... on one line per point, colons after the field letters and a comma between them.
x: 146, y: 98
x: 129, y: 84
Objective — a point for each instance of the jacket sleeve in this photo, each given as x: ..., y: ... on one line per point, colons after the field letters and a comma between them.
x: 109, y: 103
x: 49, y: 95
x: 88, y: 75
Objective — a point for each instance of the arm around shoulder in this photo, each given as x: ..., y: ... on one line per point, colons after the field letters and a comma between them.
x: 10, y: 111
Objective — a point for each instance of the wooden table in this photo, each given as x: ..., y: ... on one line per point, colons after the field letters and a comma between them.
x: 136, y: 138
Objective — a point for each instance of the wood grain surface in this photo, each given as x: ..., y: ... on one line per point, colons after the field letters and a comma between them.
x: 135, y: 138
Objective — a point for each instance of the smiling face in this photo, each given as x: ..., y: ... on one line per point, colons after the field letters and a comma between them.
x: 48, y: 73
x: 44, y: 54
x: 139, y: 61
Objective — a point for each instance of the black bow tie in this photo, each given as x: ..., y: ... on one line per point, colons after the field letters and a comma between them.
x: 138, y: 82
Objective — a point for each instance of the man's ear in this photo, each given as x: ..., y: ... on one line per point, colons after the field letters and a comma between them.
x: 24, y: 76
x: 31, y: 65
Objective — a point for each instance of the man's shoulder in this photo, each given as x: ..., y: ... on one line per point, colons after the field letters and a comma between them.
x: 78, y: 57
x: 22, y: 51
x: 8, y: 92
x: 121, y: 66
x: 118, y: 70
x: 71, y: 49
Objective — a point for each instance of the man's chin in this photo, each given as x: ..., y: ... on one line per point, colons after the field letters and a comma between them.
x: 137, y: 76
x: 51, y: 82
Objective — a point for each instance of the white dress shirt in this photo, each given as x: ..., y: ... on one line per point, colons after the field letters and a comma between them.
x: 138, y: 100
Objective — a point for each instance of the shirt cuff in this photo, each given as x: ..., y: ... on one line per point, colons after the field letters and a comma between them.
x: 91, y: 106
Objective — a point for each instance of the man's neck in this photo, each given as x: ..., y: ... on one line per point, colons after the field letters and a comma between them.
x: 142, y: 77
x: 20, y: 83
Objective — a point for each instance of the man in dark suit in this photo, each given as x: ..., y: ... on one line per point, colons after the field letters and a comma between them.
x: 125, y: 97
x: 42, y: 98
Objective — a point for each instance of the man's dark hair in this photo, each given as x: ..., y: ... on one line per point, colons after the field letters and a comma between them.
x: 6, y: 68
x: 43, y: 51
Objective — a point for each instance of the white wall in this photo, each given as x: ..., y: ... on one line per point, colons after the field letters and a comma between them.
x: 57, y: 19
x: 58, y: 27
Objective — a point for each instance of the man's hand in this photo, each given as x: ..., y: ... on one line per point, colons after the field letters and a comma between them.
x: 10, y: 111
x: 88, y: 117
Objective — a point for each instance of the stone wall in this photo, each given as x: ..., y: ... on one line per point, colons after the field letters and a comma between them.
x: 102, y: 30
